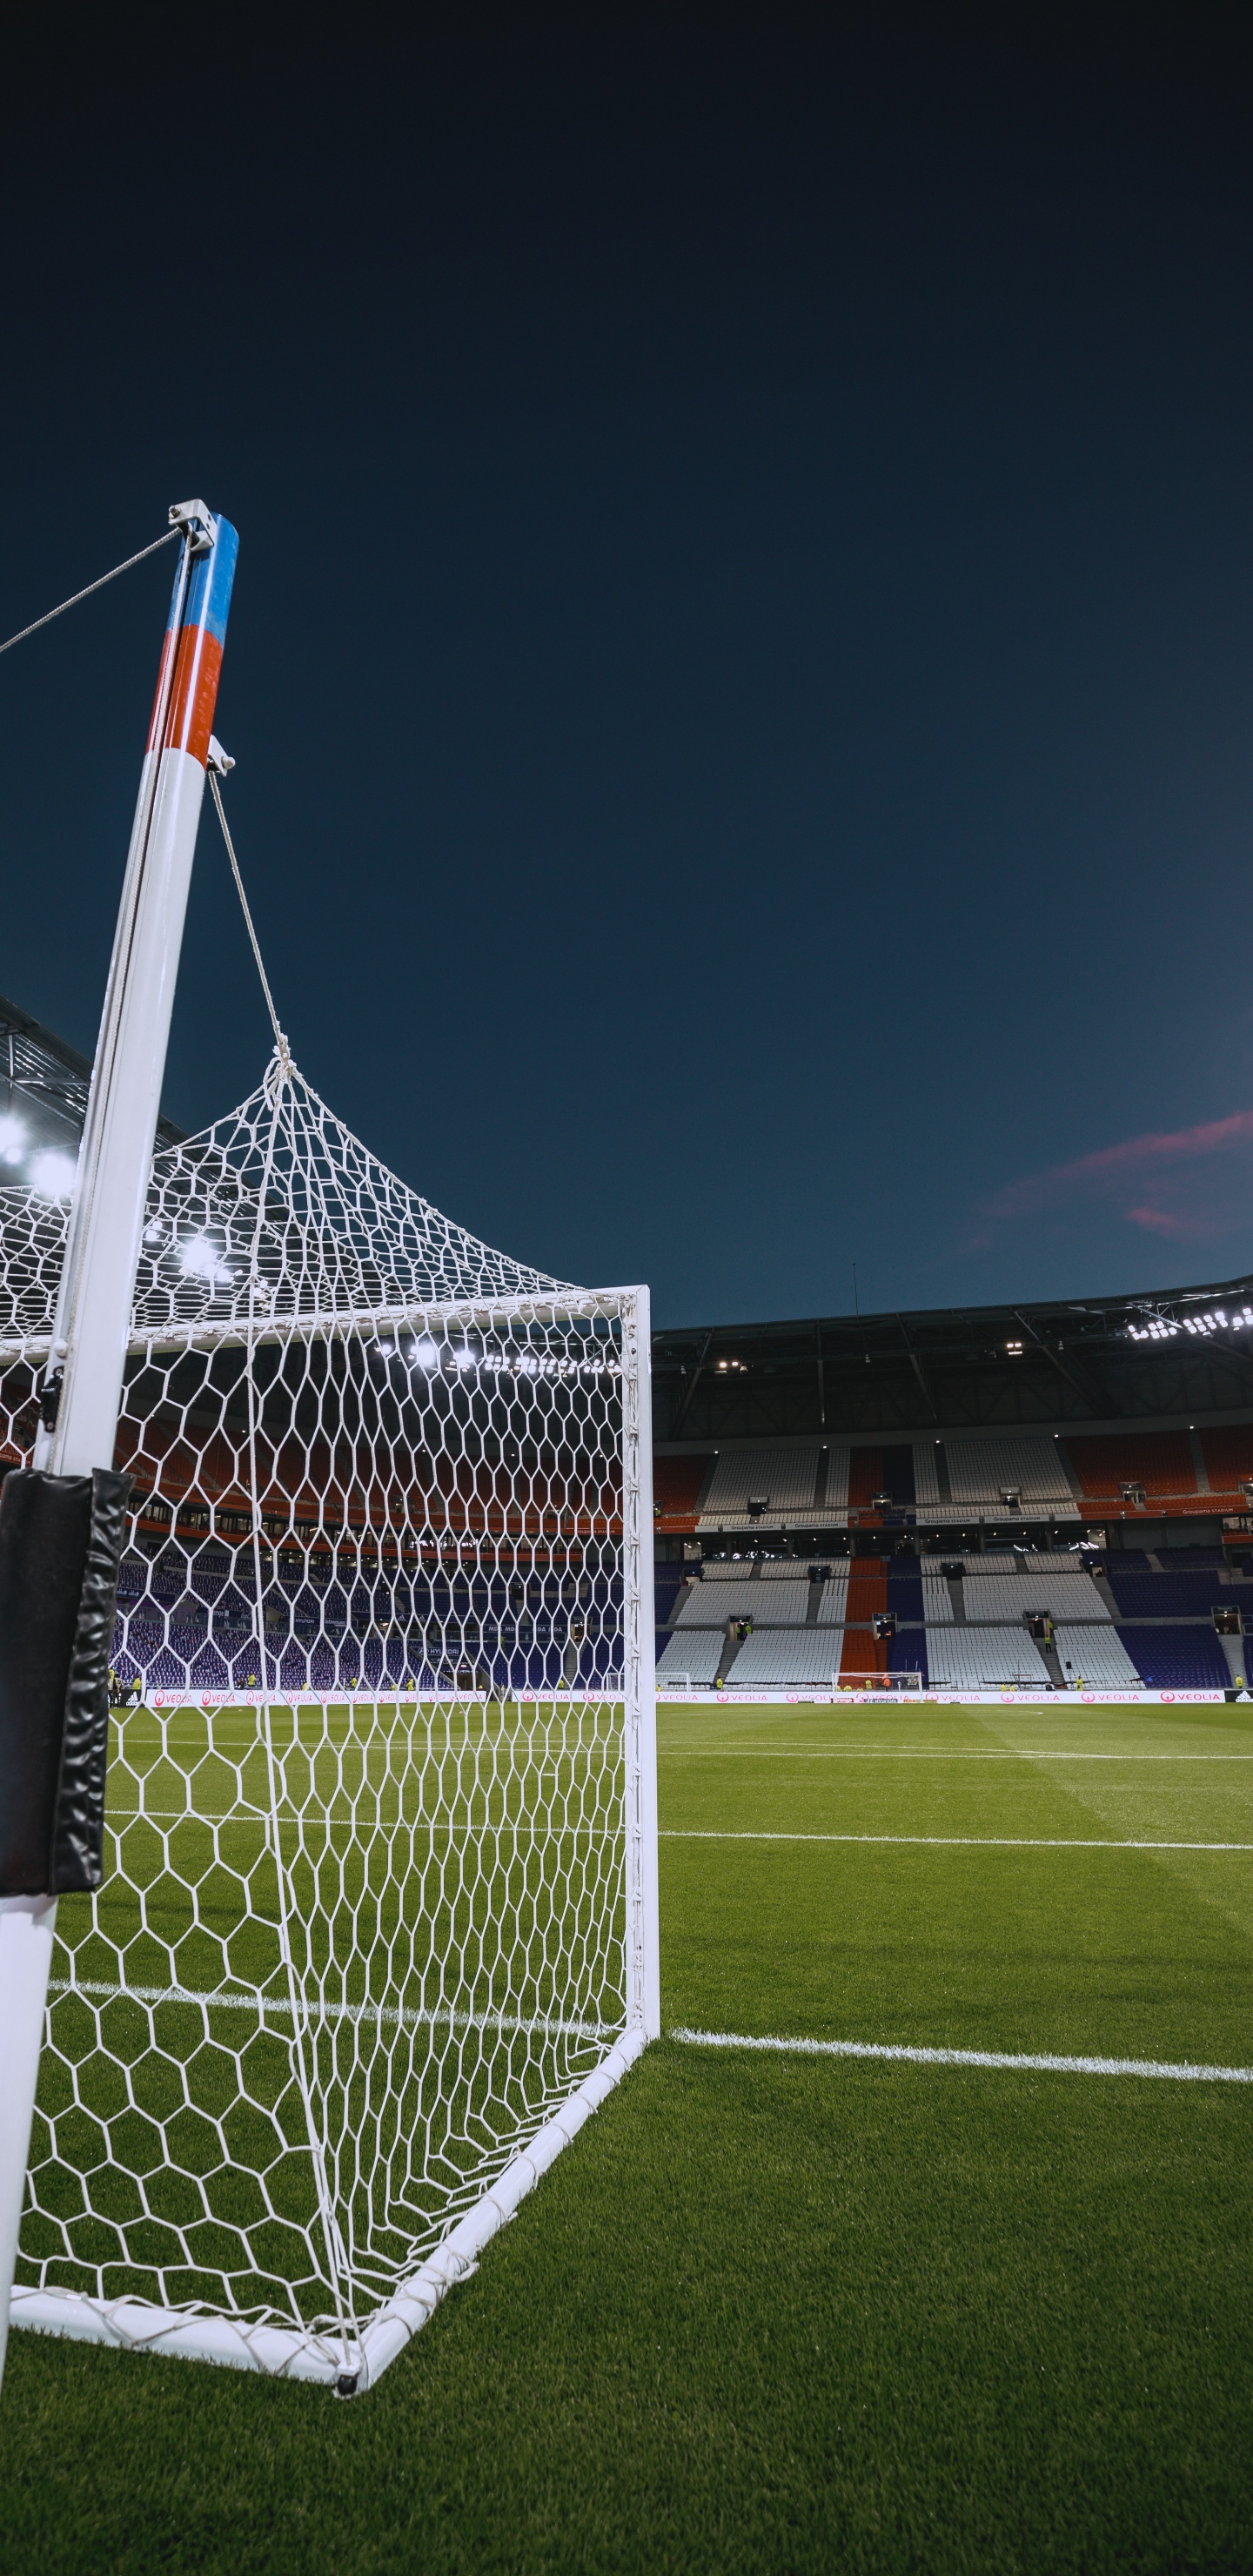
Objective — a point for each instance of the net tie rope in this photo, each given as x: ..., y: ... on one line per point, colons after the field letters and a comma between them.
x: 281, y: 1047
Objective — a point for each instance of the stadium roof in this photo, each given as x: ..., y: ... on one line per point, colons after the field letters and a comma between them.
x: 1163, y: 1356
x: 50, y: 1081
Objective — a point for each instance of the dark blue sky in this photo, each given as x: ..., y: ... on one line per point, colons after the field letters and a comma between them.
x: 742, y: 656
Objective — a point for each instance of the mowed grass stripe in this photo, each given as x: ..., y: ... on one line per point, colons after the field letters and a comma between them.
x: 963, y: 1922
x: 1014, y: 1796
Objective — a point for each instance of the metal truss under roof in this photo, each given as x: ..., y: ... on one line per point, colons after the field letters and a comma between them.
x: 1184, y: 1354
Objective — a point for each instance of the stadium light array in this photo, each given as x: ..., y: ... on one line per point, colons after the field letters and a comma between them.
x: 1161, y: 1328
x: 433, y: 1357
x: 12, y: 1139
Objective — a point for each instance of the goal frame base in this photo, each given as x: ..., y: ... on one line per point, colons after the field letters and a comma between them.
x: 348, y: 2365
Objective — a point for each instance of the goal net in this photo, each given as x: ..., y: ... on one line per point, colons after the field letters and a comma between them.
x: 377, y: 1926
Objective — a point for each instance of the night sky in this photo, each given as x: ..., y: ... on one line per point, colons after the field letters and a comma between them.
x: 741, y: 665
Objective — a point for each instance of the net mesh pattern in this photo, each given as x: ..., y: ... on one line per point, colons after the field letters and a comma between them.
x: 365, y: 1917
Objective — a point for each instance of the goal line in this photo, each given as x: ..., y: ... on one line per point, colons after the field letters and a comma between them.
x: 1012, y: 2060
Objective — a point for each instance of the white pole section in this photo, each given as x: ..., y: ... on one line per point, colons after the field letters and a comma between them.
x: 640, y: 1668
x: 26, y: 1927
x: 83, y: 1384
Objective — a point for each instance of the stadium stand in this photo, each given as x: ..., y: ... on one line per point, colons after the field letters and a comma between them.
x: 1062, y: 1593
x: 802, y: 1629
x: 984, y: 1659
x: 864, y: 1655
x: 1170, y: 1593
x: 833, y: 1600
x: 874, y: 1472
x: 710, y: 1605
x: 777, y: 1488
x: 677, y: 1484
x: 867, y: 1599
x: 694, y: 1657
x: 667, y: 1583
x: 980, y: 1474
x: 787, y: 1659
x: 1096, y: 1657
x: 1228, y: 1457
x: 1177, y: 1658
x: 905, y: 1595
x: 1158, y: 1461
x: 937, y: 1600
x: 867, y: 1587
x: 907, y: 1653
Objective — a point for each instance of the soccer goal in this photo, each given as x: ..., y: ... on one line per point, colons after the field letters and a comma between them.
x: 378, y: 1921
x: 907, y: 1682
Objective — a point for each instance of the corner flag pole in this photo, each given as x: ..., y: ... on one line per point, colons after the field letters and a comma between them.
x: 82, y: 1384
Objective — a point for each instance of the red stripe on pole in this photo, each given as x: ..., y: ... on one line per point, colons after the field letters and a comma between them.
x: 195, y: 693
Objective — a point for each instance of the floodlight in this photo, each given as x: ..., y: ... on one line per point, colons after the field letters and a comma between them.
x: 12, y: 1139
x: 52, y: 1175
x: 200, y: 1259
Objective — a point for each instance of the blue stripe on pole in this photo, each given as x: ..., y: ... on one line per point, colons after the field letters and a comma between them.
x: 209, y: 592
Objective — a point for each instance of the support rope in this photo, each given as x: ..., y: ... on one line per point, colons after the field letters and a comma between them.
x: 284, y: 1051
x: 144, y: 551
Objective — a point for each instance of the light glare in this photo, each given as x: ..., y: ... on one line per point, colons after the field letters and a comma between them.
x: 52, y: 1175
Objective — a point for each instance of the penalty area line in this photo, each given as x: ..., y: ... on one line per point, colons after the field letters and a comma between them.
x: 993, y: 2057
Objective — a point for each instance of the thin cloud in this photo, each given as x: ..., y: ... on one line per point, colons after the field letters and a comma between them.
x: 1177, y: 1184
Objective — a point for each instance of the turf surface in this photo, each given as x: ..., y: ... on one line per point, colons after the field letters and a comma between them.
x: 796, y: 2313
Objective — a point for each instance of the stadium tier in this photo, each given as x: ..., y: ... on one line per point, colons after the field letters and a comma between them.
x: 987, y: 1623
x: 1059, y: 1496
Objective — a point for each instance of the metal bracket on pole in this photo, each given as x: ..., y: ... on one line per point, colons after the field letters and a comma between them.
x: 195, y: 522
x: 220, y: 762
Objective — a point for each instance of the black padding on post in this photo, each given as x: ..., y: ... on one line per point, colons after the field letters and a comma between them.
x: 60, y: 1547
x: 77, y: 1844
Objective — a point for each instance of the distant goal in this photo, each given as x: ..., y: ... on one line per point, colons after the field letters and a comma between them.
x: 886, y: 1683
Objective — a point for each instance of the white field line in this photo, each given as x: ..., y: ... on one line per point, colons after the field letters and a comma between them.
x: 118, y: 1823
x: 915, y: 1753
x: 314, y: 2011
x: 968, y: 2057
x: 946, y: 1842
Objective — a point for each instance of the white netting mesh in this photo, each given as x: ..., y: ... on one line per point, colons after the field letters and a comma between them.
x: 365, y: 1913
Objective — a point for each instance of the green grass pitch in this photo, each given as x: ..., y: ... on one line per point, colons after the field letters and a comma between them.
x: 801, y: 2312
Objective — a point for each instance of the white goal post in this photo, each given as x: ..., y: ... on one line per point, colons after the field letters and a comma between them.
x: 378, y: 1925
